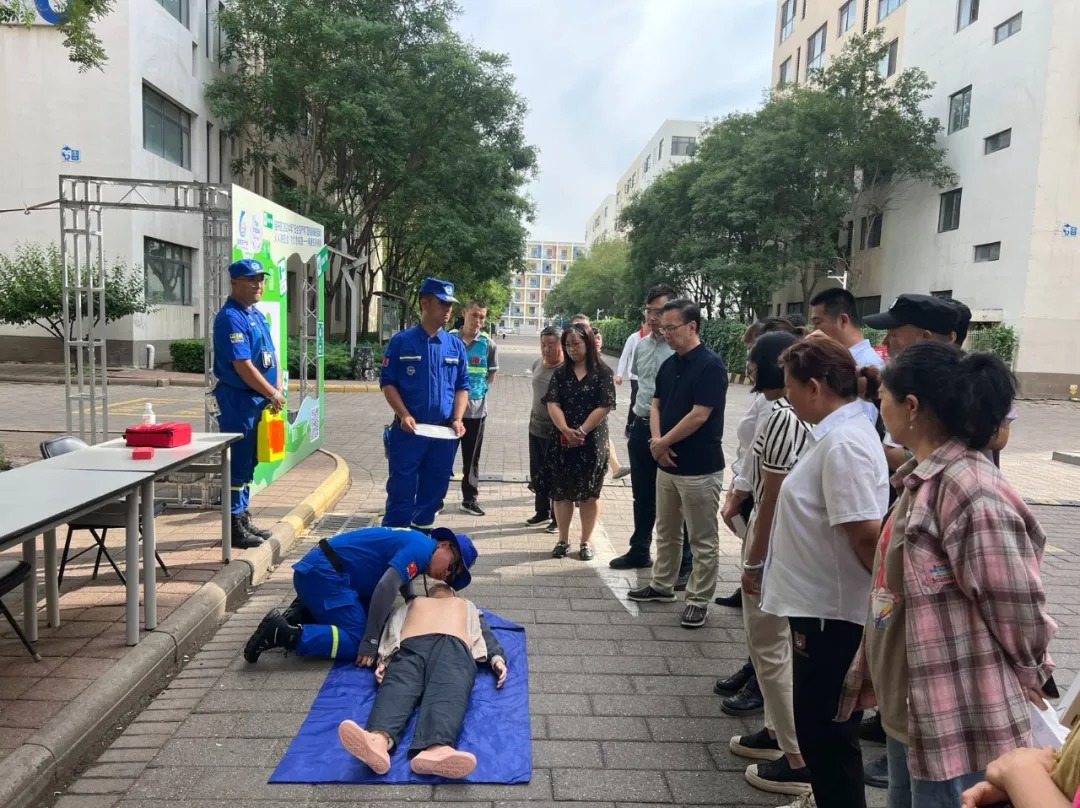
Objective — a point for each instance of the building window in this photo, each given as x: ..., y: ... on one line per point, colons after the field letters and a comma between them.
x: 785, y: 73
x: 887, y: 7
x: 887, y: 65
x: 967, y: 12
x: 943, y: 294
x: 847, y: 17
x: 1008, y: 28
x: 166, y: 129
x: 647, y: 165
x: 1002, y: 140
x: 168, y: 273
x: 868, y: 305
x: 959, y: 110
x: 870, y: 233
x: 178, y: 8
x: 596, y: 224
x: 787, y: 19
x: 815, y: 51
x: 987, y: 252
x: 795, y: 308
x: 949, y: 211
x: 563, y: 253
x: 682, y: 146
x: 660, y: 151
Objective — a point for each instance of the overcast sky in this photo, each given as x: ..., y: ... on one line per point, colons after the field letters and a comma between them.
x: 600, y: 76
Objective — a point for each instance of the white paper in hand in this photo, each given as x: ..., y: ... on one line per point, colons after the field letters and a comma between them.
x: 433, y: 431
x: 1047, y: 729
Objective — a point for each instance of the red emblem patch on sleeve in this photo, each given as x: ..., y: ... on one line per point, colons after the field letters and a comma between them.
x: 411, y: 569
x: 385, y: 361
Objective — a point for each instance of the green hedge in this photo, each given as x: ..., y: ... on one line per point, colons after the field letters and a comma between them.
x: 187, y: 357
x: 723, y: 336
x: 873, y: 335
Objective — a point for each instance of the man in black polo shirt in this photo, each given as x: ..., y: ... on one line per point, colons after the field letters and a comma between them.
x: 687, y: 426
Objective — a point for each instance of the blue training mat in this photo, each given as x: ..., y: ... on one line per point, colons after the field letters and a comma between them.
x: 496, y: 727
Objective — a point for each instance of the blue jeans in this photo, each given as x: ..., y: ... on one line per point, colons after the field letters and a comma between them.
x: 908, y: 792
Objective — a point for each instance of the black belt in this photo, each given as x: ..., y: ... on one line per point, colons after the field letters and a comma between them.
x: 331, y: 556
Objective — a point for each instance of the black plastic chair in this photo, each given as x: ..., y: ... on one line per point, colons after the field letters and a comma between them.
x: 14, y: 574
x: 110, y: 515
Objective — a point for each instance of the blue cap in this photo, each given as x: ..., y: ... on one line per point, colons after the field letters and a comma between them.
x: 246, y: 268
x: 466, y: 549
x: 444, y: 290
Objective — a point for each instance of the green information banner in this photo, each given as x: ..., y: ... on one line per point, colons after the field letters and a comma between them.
x: 280, y: 239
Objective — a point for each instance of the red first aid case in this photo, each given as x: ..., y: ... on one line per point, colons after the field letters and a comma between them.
x: 160, y: 436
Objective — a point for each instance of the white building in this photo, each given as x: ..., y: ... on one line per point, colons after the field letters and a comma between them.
x: 672, y: 143
x: 1008, y: 94
x: 546, y: 263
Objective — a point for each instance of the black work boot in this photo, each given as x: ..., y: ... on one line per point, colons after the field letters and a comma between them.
x: 243, y: 538
x: 249, y: 523
x: 747, y: 701
x: 273, y: 632
x: 736, y: 682
x: 297, y: 614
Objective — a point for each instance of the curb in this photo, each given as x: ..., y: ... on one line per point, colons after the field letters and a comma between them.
x: 55, y: 749
x: 342, y: 386
x: 738, y: 378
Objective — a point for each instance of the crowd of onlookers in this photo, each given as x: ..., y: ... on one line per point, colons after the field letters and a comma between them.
x: 886, y: 562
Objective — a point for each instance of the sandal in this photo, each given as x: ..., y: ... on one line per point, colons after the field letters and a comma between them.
x: 585, y: 553
x: 560, y: 550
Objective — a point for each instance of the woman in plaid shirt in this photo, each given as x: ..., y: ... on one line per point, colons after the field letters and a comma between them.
x: 955, y: 643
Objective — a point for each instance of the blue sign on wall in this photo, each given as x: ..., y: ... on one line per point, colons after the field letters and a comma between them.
x: 70, y: 155
x: 49, y: 11
x: 1068, y: 230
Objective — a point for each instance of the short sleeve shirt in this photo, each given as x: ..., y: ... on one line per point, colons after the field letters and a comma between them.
x: 242, y: 333
x: 683, y: 382
x: 777, y: 444
x: 427, y: 372
x: 367, y: 553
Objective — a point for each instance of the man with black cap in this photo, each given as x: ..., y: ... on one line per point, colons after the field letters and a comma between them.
x: 425, y: 380
x: 248, y: 381
x: 346, y: 587
x: 914, y: 318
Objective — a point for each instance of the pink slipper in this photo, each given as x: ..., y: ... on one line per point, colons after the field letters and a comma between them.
x: 444, y: 761
x: 367, y: 747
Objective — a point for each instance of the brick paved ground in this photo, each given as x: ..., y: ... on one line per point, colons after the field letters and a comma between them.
x: 621, y: 701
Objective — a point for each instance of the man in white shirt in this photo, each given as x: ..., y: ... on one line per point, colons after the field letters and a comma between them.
x: 834, y: 313
x: 625, y: 369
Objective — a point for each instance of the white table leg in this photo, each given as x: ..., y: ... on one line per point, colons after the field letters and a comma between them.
x: 149, y: 549
x: 29, y: 554
x: 131, y: 614
x: 226, y: 506
x: 52, y: 579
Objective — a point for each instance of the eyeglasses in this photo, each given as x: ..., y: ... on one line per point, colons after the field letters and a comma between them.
x: 455, y: 567
x: 652, y: 312
x: 667, y: 329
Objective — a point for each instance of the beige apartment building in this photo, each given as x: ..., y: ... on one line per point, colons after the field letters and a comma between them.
x: 546, y: 263
x: 1007, y: 92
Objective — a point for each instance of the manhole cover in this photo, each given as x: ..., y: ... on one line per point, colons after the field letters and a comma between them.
x: 334, y: 523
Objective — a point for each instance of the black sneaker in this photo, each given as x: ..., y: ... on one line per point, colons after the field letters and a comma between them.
x: 777, y: 777
x: 560, y: 550
x: 732, y: 601
x: 471, y: 506
x: 646, y: 594
x: 759, y: 746
x: 630, y: 562
x: 734, y: 683
x: 249, y: 523
x: 876, y: 773
x: 585, y: 553
x: 681, y: 582
x: 747, y: 701
x: 242, y: 538
x: 870, y: 730
x: 694, y: 616
x: 273, y: 632
x: 536, y: 519
x: 553, y: 527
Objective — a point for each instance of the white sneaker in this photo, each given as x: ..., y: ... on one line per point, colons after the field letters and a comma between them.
x: 805, y: 801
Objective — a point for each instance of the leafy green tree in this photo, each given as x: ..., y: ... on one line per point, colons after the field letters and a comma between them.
x: 595, y: 281
x: 31, y: 289
x: 76, y: 23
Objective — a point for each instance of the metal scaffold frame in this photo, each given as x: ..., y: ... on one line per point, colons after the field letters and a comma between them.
x: 82, y: 202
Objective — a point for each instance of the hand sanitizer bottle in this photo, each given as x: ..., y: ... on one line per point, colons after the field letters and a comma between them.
x: 148, y: 416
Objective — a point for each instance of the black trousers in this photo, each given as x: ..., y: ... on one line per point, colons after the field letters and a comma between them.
x: 538, y: 449
x: 471, y: 443
x: 643, y: 485
x: 435, y: 670
x: 630, y: 411
x: 822, y: 653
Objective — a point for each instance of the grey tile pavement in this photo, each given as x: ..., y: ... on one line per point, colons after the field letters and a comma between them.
x: 621, y: 702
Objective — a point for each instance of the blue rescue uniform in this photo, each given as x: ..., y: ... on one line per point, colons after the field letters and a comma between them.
x: 339, y: 601
x: 427, y: 372
x: 241, y: 333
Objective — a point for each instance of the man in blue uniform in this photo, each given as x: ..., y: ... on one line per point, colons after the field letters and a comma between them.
x: 346, y: 587
x: 248, y: 380
x: 425, y: 380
